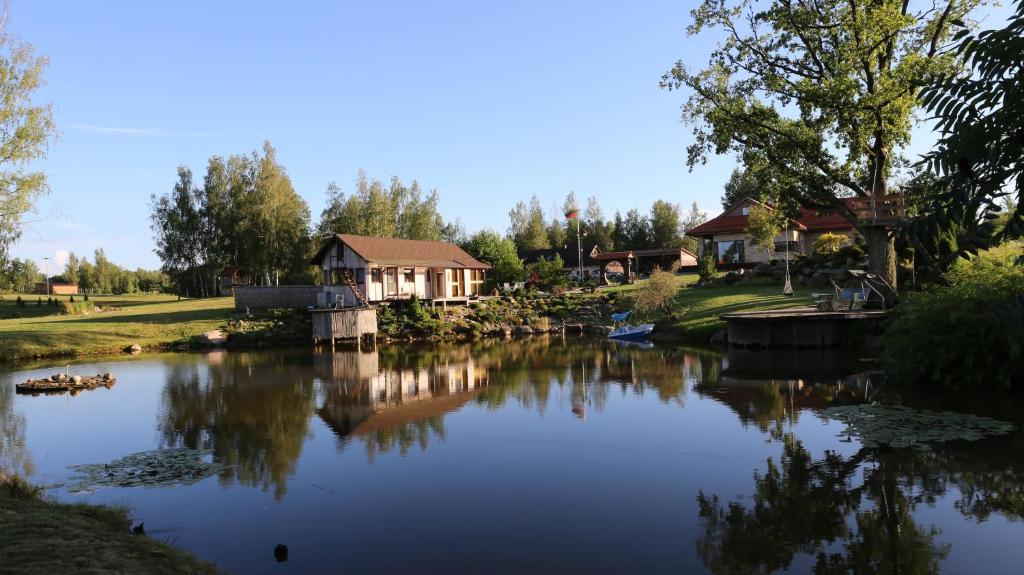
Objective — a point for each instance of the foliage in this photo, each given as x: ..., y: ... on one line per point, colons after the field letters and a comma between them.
x: 410, y: 318
x: 490, y: 248
x: 15, y: 487
x: 763, y: 224
x: 77, y: 307
x: 397, y: 211
x: 980, y: 119
x: 526, y: 226
x: 657, y: 294
x: 19, y: 276
x: 550, y: 272
x: 666, y: 225
x: 824, y: 90
x: 25, y: 133
x: 706, y: 265
x: 690, y: 220
x: 632, y: 232
x: 828, y: 244
x: 246, y: 213
x: 965, y: 335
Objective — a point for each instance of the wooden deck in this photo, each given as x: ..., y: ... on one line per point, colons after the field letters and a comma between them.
x: 802, y: 327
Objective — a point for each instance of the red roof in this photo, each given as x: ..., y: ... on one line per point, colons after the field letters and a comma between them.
x: 230, y: 271
x: 809, y: 220
x: 605, y: 256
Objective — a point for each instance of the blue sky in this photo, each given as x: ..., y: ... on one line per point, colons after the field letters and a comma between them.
x: 489, y: 102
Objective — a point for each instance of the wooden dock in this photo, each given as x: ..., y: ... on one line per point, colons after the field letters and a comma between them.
x: 798, y: 327
x: 330, y: 325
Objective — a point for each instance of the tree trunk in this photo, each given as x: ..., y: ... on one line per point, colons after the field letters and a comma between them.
x: 881, y: 253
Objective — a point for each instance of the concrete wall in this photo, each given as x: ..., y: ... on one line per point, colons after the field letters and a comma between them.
x: 296, y: 297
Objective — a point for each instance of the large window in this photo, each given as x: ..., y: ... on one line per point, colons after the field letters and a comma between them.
x: 476, y: 282
x: 410, y: 276
x: 729, y: 252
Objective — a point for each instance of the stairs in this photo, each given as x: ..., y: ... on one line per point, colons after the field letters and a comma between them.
x: 352, y: 285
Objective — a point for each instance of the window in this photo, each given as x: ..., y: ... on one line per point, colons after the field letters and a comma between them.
x: 361, y: 276
x: 745, y: 211
x: 794, y: 247
x: 375, y: 275
x: 729, y: 252
x: 410, y: 275
x: 476, y: 282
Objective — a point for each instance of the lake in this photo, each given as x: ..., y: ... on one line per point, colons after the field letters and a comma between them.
x: 540, y: 455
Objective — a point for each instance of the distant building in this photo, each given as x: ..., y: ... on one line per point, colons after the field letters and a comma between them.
x: 727, y: 234
x: 231, y: 277
x: 57, y: 288
x: 570, y: 259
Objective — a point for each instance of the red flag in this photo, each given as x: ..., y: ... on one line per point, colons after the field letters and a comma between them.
x: 572, y: 214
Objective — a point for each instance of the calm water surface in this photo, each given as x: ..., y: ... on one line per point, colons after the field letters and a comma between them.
x: 542, y: 456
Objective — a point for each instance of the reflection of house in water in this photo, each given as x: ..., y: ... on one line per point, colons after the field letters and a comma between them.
x: 362, y: 398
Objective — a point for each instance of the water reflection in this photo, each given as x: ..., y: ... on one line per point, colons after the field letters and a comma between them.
x: 14, y: 457
x: 251, y: 409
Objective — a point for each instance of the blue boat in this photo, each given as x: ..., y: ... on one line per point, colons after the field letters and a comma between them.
x: 629, y: 332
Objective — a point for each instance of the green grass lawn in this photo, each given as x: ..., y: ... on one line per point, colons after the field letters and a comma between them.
x: 41, y: 536
x: 151, y: 320
x: 697, y: 309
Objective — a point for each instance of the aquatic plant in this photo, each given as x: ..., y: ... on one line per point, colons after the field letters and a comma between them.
x: 897, y: 426
x: 158, y: 468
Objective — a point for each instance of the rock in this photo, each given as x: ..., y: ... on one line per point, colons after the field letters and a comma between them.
x: 522, y: 330
x: 720, y: 337
x: 779, y: 274
x: 133, y: 349
x: 762, y: 267
x: 214, y: 338
x: 77, y: 379
x: 840, y: 276
x: 819, y: 280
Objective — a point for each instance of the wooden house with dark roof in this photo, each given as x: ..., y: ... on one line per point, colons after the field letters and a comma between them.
x: 727, y: 234
x: 362, y: 269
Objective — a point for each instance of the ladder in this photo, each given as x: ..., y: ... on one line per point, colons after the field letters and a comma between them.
x: 352, y: 285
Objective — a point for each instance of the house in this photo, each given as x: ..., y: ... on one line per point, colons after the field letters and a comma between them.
x: 727, y: 234
x: 363, y: 269
x: 56, y: 288
x: 570, y: 258
x: 231, y: 277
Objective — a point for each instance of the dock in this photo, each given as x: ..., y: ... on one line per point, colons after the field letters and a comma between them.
x: 803, y: 327
x: 330, y: 325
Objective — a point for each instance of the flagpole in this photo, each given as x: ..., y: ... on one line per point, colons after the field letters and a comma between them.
x: 579, y: 247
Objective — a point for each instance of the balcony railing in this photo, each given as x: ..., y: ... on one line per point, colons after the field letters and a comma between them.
x: 884, y: 210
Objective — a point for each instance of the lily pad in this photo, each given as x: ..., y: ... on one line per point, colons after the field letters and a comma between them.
x: 898, y: 426
x: 158, y: 468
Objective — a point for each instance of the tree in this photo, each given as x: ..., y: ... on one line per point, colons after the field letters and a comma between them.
x: 634, y: 231
x: 763, y: 224
x: 692, y: 219
x: 824, y: 90
x: 527, y: 227
x: 71, y: 269
x: 657, y: 294
x: 489, y: 247
x: 596, y: 232
x: 176, y: 222
x: 25, y: 132
x: 557, y: 236
x: 665, y: 225
x: 20, y: 276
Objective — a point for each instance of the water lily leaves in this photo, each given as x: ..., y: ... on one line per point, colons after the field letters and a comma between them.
x: 898, y: 426
x: 159, y: 468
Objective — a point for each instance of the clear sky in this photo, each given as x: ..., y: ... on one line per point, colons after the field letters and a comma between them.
x: 489, y: 102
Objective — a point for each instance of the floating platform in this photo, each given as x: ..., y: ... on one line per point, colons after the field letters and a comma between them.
x: 61, y: 383
x: 804, y: 327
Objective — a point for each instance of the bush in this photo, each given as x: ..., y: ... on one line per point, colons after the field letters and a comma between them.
x: 657, y: 294
x: 829, y: 244
x: 966, y: 335
x: 77, y: 308
x: 706, y: 267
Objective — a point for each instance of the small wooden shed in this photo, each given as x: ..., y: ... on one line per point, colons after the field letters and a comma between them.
x: 346, y: 323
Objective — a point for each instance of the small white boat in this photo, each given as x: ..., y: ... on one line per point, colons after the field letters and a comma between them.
x: 629, y: 332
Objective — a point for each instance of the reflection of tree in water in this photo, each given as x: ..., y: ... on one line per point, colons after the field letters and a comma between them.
x: 855, y: 514
x: 14, y: 456
x: 252, y: 410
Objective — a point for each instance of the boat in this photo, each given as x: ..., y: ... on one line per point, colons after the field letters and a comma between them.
x: 629, y: 332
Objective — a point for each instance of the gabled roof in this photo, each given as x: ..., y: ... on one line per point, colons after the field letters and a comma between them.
x: 230, y: 271
x: 398, y: 252
x: 809, y: 220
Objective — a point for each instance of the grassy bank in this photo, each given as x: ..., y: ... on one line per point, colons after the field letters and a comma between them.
x: 152, y: 321
x: 42, y: 536
x: 696, y: 310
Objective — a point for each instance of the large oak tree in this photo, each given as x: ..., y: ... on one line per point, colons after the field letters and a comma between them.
x: 825, y: 89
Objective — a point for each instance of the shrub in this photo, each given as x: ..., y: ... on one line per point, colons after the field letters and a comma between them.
x: 829, y: 244
x: 19, y: 302
x: 657, y: 294
x: 550, y: 272
x: 966, y: 335
x: 77, y: 308
x: 706, y: 267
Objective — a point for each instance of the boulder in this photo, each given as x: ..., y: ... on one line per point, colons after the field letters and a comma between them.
x: 720, y: 337
x: 133, y: 349
x: 213, y: 338
x: 76, y: 379
x: 779, y: 274
x: 762, y: 267
x: 522, y: 330
x: 819, y: 280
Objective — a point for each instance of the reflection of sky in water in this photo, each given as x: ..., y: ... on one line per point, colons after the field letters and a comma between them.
x: 512, y: 456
